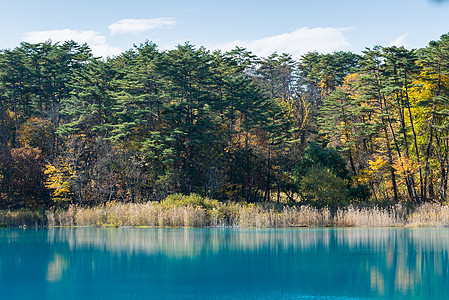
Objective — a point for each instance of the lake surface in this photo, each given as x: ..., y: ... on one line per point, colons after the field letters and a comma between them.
x: 95, y: 263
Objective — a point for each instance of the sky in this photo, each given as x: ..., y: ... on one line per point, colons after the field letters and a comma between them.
x: 263, y: 27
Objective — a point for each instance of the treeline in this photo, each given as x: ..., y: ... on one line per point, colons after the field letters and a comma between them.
x: 327, y: 130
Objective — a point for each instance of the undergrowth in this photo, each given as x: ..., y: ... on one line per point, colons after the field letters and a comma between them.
x: 195, y: 211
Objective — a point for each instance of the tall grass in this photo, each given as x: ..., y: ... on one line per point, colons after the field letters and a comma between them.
x: 195, y: 211
x: 371, y: 217
x: 430, y: 215
x: 22, y: 218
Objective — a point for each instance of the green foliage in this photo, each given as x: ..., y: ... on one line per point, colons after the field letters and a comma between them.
x: 327, y: 71
x: 326, y: 158
x: 89, y: 107
x: 151, y: 123
x: 320, y: 187
x: 324, y: 179
x: 359, y: 193
x: 190, y: 200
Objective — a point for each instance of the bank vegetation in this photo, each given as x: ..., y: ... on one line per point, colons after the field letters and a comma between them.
x: 195, y: 211
x: 336, y: 139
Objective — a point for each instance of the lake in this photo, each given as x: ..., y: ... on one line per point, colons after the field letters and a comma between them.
x: 220, y: 263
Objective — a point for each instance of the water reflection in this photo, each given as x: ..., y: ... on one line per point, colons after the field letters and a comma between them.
x: 56, y: 267
x: 227, y: 263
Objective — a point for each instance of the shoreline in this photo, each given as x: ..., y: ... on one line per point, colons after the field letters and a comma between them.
x: 406, y: 226
x: 227, y: 215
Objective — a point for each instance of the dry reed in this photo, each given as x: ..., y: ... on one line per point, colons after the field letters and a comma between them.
x: 430, y: 215
x: 369, y: 217
x: 22, y: 218
x: 188, y: 211
x: 154, y: 214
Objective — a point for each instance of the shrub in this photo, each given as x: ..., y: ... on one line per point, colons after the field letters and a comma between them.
x: 321, y: 188
x: 194, y: 200
x: 328, y: 158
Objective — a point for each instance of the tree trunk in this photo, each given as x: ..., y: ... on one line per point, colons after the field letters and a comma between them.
x: 4, y: 140
x: 392, y: 174
x: 268, y: 186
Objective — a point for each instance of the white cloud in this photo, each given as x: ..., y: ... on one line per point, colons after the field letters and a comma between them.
x: 400, y: 41
x: 296, y: 43
x: 95, y: 40
x: 136, y: 26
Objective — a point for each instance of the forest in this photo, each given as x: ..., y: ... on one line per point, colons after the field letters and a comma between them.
x: 327, y: 130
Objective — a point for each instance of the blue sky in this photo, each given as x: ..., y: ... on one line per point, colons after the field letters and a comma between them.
x: 263, y: 27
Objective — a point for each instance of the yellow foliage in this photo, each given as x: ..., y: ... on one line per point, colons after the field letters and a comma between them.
x: 348, y: 85
x: 376, y: 169
x: 364, y: 176
x: 36, y: 133
x: 58, y: 181
x: 286, y: 105
x: 377, y: 164
x: 426, y: 84
x: 296, y: 111
x: 327, y: 85
x: 425, y: 89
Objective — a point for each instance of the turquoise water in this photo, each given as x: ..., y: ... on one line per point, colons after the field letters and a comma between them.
x: 224, y: 263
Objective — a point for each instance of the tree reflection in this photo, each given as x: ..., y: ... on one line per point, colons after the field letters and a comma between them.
x: 404, y: 263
